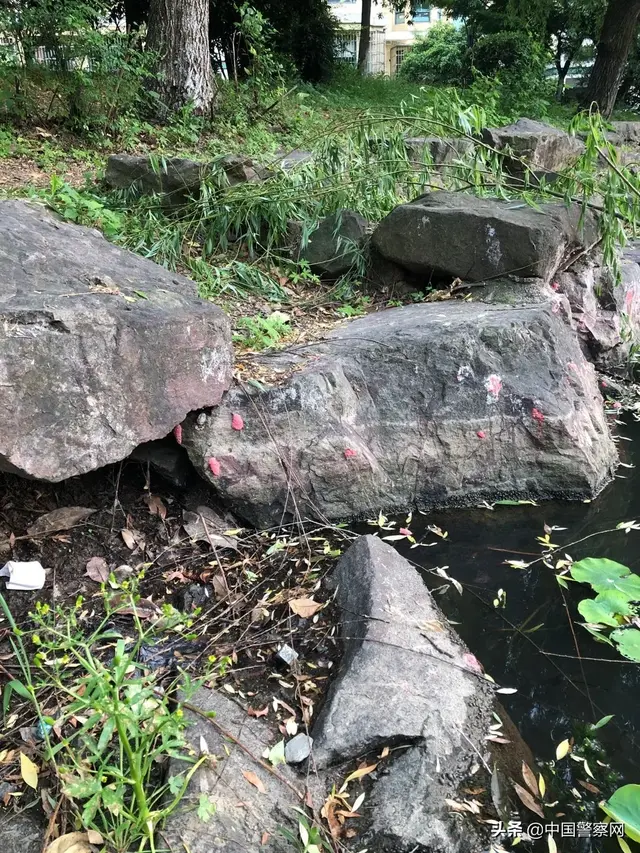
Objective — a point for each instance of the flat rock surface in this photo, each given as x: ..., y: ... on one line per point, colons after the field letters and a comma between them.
x: 247, y: 817
x: 429, y: 404
x: 100, y: 350
x: 21, y: 833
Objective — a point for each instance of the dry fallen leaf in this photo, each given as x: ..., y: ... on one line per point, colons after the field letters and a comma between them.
x: 220, y: 588
x: 304, y: 607
x: 97, y: 570
x: 129, y: 539
x: 258, y: 712
x: 527, y: 800
x: 205, y: 525
x: 156, y: 506
x: 359, y: 773
x: 59, y: 519
x: 72, y: 842
x: 562, y: 749
x: 254, y: 780
x: 28, y: 771
x: 530, y: 779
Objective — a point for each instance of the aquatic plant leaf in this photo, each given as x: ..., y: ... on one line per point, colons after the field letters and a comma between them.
x: 624, y: 806
x: 628, y: 642
x: 605, y: 575
x: 595, y: 611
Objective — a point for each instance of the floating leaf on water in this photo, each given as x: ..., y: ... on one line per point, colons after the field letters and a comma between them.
x: 527, y: 800
x: 624, y: 806
x: 628, y: 642
x: 602, y: 722
x: 605, y: 575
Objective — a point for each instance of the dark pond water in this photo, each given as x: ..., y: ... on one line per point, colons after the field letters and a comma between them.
x: 555, y: 689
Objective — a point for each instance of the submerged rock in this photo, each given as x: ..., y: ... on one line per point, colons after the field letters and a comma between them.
x: 444, y: 235
x: 427, y: 404
x: 100, y: 350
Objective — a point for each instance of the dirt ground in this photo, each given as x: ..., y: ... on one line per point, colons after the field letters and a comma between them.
x: 240, y: 600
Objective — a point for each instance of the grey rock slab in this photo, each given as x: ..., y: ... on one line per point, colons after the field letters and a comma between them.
x: 405, y: 679
x: 440, y: 151
x: 445, y: 235
x: 333, y: 247
x: 398, y: 646
x: 100, y: 350
x: 243, y: 813
x: 543, y: 146
x: 426, y: 405
x: 175, y: 178
x: 21, y: 832
x: 627, y: 131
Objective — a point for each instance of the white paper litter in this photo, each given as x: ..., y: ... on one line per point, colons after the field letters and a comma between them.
x: 24, y: 576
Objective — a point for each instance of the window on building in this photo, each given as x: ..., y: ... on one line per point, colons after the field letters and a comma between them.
x: 400, y: 18
x: 400, y: 54
x: 422, y: 14
x: 347, y: 48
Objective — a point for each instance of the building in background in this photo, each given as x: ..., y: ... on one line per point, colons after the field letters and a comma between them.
x: 392, y: 33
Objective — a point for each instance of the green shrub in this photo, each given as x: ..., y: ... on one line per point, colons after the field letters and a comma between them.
x: 519, y: 62
x: 439, y: 57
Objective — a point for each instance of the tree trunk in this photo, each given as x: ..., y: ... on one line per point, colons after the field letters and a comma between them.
x: 178, y: 31
x: 365, y: 36
x: 616, y: 38
x: 562, y: 69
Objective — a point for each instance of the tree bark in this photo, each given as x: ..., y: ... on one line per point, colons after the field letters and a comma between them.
x: 178, y: 31
x: 616, y: 39
x: 365, y: 35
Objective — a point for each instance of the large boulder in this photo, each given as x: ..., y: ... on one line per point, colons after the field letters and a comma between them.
x: 176, y: 178
x: 606, y: 309
x: 407, y: 680
x: 445, y: 235
x: 626, y: 132
x: 427, y: 404
x: 438, y: 150
x: 543, y: 147
x: 333, y: 247
x: 100, y: 350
